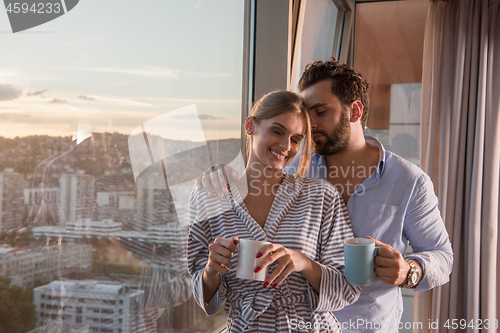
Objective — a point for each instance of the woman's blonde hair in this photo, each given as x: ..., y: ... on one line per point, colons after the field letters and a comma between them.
x: 276, y: 103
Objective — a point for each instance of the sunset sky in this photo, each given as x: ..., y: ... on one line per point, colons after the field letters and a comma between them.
x: 113, y: 65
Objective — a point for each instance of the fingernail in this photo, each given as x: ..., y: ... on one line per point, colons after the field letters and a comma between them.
x: 274, y: 285
x: 257, y: 269
x: 266, y: 284
x: 209, y: 194
x: 259, y: 255
x: 235, y: 241
x: 220, y: 195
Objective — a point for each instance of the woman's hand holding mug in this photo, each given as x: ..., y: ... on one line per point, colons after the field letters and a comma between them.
x: 288, y: 261
x: 219, y: 255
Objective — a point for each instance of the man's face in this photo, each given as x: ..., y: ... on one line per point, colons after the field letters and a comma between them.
x: 331, y: 129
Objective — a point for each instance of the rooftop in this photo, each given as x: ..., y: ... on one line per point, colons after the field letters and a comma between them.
x: 84, y: 286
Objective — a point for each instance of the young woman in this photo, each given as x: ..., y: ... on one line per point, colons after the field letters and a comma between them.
x: 305, y: 220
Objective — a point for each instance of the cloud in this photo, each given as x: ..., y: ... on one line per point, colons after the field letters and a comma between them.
x: 212, y: 75
x: 198, y: 100
x: 8, y: 92
x: 37, y: 93
x: 209, y: 117
x: 18, y: 116
x: 58, y: 101
x: 121, y: 101
x: 201, y: 117
x: 87, y: 98
x: 148, y: 71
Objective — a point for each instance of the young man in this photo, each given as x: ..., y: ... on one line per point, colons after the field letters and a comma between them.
x: 387, y: 197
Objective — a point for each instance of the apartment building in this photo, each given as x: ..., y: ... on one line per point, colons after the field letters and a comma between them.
x: 42, y: 204
x: 154, y: 202
x: 76, y: 197
x: 166, y: 244
x: 106, y: 307
x: 11, y: 200
x: 25, y: 266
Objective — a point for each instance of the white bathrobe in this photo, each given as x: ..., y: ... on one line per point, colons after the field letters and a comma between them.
x: 307, y: 215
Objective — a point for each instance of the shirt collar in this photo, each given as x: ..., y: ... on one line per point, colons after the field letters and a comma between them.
x: 377, y: 144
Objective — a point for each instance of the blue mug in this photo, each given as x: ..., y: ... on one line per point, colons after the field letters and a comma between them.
x: 359, y: 261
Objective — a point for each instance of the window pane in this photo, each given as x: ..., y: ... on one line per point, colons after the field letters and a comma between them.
x: 388, y: 52
x: 320, y: 20
x: 319, y: 29
x: 97, y: 110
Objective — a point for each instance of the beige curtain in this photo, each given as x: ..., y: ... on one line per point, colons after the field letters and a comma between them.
x: 460, y: 131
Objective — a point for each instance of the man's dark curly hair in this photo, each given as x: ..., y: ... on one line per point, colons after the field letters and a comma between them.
x: 347, y: 84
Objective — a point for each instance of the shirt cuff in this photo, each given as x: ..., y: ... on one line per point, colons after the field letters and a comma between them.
x: 434, y: 274
x: 211, y: 307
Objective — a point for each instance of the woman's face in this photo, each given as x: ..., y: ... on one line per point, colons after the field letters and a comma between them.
x: 276, y: 141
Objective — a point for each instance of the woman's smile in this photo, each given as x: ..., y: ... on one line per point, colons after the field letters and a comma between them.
x: 279, y: 156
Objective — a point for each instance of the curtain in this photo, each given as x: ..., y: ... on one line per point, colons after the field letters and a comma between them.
x: 460, y: 150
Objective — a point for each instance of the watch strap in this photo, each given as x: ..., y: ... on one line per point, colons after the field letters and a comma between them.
x: 413, y: 271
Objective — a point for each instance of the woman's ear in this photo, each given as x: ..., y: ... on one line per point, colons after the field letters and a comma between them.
x: 249, y: 125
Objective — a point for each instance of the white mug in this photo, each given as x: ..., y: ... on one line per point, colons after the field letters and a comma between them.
x: 247, y: 260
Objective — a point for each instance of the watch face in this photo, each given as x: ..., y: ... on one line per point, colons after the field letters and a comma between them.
x: 414, y: 278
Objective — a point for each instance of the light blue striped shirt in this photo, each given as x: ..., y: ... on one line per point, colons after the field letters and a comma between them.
x: 395, y: 204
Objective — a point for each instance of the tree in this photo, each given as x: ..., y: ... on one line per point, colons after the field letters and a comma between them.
x: 17, y: 311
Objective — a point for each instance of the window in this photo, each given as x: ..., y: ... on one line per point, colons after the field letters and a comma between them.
x: 78, y: 319
x: 70, y: 114
x: 318, y: 31
x: 394, y: 72
x: 395, y: 75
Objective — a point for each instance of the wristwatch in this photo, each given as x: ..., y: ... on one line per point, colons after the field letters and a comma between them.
x: 413, y: 277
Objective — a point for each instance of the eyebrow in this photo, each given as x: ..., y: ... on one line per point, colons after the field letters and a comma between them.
x: 278, y: 124
x: 317, y: 105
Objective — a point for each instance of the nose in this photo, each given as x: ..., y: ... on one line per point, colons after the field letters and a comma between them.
x: 313, y: 122
x: 286, y: 143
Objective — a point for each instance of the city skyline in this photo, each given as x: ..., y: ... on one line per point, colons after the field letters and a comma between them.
x: 72, y: 91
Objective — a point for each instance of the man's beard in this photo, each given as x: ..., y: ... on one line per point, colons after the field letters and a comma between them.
x: 337, y: 141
